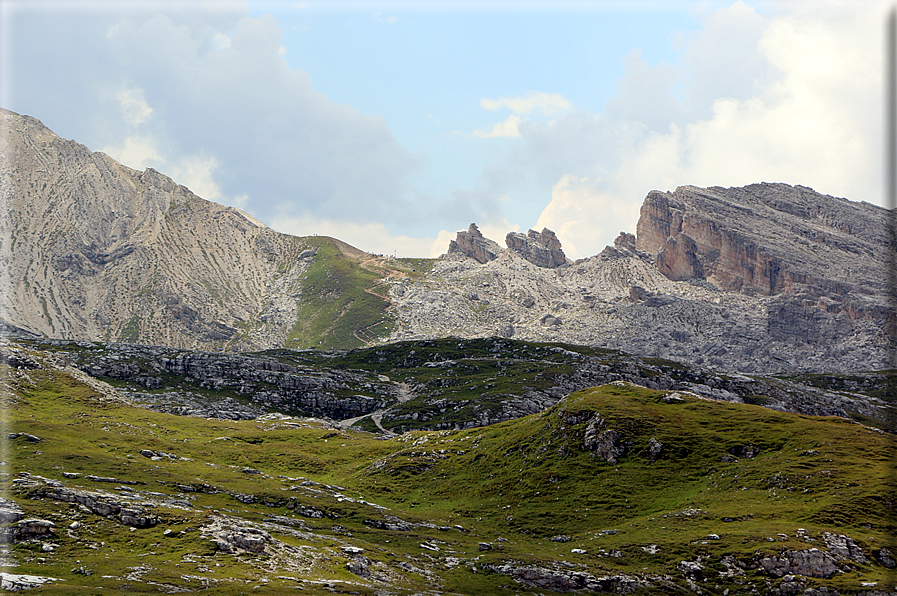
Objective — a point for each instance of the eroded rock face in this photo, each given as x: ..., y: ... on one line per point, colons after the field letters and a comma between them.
x: 768, y: 239
x: 767, y: 278
x: 473, y: 244
x: 678, y: 258
x: 542, y: 249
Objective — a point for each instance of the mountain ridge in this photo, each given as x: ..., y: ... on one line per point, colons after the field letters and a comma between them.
x: 98, y: 251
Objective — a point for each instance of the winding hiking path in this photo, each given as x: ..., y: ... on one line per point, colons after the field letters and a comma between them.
x: 404, y: 392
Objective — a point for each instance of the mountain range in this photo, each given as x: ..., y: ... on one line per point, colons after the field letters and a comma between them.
x: 766, y: 278
x: 195, y: 403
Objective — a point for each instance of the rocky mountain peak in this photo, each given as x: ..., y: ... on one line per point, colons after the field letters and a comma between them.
x: 473, y: 244
x: 542, y: 249
x: 98, y: 250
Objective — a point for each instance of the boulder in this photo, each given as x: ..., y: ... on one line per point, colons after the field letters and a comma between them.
x: 236, y: 538
x: 549, y: 320
x: 34, y: 528
x: 16, y: 582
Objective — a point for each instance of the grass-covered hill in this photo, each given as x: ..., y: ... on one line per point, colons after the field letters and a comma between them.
x: 617, y: 489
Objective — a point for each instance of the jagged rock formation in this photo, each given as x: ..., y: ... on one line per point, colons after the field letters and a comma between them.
x: 766, y: 278
x: 473, y: 244
x: 542, y: 249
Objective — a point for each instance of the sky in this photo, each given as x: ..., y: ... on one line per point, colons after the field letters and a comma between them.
x: 392, y: 125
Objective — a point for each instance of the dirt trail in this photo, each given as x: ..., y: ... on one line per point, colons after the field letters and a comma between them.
x: 404, y: 392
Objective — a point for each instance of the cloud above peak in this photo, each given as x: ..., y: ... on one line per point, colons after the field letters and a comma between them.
x: 534, y: 101
x: 508, y: 128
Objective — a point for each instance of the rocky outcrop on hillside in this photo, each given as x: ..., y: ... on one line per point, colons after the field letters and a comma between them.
x: 266, y: 382
x: 766, y: 278
x: 542, y: 249
x: 473, y: 244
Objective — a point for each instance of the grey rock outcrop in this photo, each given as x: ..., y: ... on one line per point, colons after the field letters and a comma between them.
x: 608, y: 444
x: 811, y: 563
x: 236, y: 539
x: 100, y: 504
x: 10, y: 511
x: 542, y: 249
x: 17, y: 582
x: 565, y: 580
x: 473, y: 244
x: 844, y: 547
x: 270, y: 382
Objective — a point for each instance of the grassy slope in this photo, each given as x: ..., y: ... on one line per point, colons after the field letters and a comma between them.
x: 336, y: 301
x: 524, y: 480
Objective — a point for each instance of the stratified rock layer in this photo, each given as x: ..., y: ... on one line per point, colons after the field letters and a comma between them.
x: 767, y: 239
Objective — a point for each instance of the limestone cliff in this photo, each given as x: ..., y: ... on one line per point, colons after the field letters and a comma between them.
x: 820, y: 256
x: 766, y: 239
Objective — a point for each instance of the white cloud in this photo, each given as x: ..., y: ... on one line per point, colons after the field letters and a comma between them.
x: 534, y: 101
x: 370, y: 237
x: 441, y: 244
x: 496, y: 230
x: 493, y: 230
x: 133, y: 105
x: 802, y: 106
x: 379, y: 18
x: 508, y: 128
x: 196, y: 174
x: 220, y: 41
x: 137, y: 151
x: 222, y: 108
x: 584, y: 214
